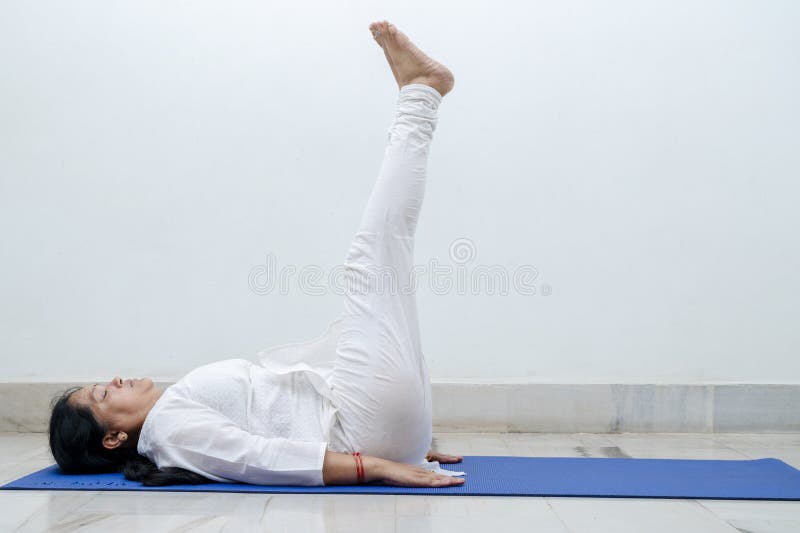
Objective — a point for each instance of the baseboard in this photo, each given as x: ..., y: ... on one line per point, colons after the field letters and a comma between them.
x: 617, y: 408
x: 540, y: 407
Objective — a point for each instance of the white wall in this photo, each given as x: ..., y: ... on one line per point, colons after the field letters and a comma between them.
x: 642, y: 156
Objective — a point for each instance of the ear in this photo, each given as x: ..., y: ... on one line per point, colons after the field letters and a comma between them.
x: 114, y: 439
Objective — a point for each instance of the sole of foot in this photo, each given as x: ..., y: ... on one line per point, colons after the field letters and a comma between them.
x: 409, y: 64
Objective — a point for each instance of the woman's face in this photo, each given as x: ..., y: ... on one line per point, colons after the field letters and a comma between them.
x: 119, y: 405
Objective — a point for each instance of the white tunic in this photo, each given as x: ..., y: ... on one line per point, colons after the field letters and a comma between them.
x: 266, y: 423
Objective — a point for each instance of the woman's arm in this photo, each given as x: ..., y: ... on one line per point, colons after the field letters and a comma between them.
x: 340, y: 469
x: 190, y: 435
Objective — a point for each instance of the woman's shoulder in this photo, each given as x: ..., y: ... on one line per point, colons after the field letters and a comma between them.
x: 195, y: 391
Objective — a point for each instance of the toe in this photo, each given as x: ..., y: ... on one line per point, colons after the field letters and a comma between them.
x: 377, y: 34
x: 388, y: 31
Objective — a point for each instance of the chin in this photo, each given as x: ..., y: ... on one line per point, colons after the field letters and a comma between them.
x: 144, y: 383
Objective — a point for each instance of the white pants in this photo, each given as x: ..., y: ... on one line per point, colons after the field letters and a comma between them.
x: 380, y: 377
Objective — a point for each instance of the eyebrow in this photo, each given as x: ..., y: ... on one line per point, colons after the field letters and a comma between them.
x: 94, y: 398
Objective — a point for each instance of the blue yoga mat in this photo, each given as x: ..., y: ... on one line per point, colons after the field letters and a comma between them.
x: 486, y: 475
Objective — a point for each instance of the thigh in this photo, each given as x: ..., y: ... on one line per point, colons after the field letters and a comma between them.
x: 380, y: 327
x: 380, y: 376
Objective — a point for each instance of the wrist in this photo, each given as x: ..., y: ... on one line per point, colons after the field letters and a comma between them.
x: 374, y: 468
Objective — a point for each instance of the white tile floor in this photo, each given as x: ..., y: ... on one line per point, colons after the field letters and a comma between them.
x: 21, y: 453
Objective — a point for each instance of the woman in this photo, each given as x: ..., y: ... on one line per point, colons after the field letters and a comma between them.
x: 351, y: 406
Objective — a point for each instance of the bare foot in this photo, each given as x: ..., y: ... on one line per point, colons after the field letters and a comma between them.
x: 409, y: 64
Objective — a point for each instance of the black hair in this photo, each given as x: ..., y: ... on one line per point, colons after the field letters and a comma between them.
x: 76, y: 441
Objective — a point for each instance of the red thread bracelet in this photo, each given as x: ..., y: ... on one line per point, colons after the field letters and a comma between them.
x: 358, y: 471
x: 359, y: 466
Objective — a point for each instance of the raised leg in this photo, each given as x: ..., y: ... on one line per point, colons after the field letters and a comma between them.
x: 380, y: 377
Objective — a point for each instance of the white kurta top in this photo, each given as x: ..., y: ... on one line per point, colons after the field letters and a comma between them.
x: 266, y: 422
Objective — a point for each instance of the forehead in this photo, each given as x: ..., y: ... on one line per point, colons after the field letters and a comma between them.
x: 82, y: 396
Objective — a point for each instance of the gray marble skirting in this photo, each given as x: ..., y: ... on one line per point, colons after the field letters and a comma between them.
x: 541, y: 407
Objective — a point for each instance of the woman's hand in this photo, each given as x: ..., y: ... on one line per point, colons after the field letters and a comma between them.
x: 406, y: 475
x: 443, y: 457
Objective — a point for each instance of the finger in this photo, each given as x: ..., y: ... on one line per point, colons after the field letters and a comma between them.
x: 442, y: 457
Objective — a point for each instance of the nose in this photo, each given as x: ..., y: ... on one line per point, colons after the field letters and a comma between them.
x: 117, y: 381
